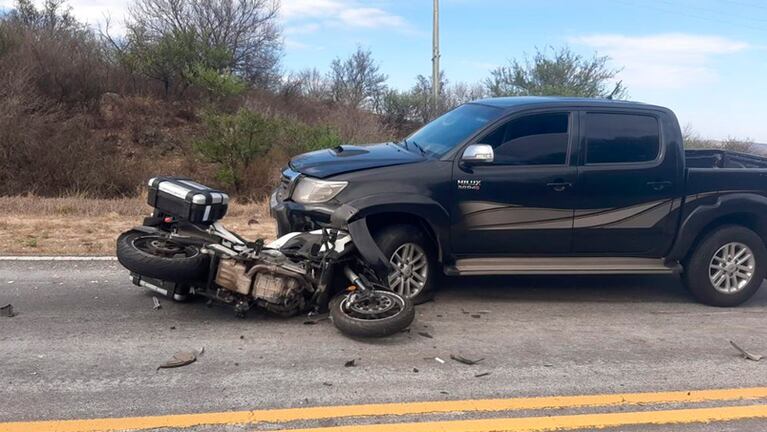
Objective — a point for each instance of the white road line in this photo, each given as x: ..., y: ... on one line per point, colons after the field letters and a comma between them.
x: 57, y: 258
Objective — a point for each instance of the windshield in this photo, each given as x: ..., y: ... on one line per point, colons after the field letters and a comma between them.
x: 452, y: 128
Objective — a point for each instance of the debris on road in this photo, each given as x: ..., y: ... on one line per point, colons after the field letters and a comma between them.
x: 476, y: 316
x: 351, y: 363
x: 156, y: 302
x: 426, y: 335
x: 316, y: 319
x: 181, y: 358
x: 415, y: 370
x: 483, y: 374
x: 327, y: 384
x: 439, y: 360
x: 464, y: 360
x: 746, y: 355
x: 7, y: 311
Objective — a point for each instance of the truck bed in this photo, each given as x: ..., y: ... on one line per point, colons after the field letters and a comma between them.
x: 723, y: 159
x: 725, y: 172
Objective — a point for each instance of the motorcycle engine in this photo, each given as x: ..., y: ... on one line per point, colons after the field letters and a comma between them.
x: 273, y: 281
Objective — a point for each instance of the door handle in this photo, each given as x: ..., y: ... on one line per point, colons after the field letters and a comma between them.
x: 659, y: 185
x: 559, y: 186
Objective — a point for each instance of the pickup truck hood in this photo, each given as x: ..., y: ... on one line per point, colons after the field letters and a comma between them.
x: 348, y: 158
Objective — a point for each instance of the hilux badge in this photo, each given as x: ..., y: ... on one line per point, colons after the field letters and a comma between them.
x: 469, y: 184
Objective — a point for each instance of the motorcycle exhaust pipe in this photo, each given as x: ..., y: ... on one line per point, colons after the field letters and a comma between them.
x: 159, y: 290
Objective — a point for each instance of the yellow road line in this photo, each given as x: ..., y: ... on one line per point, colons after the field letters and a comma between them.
x: 565, y: 422
x: 387, y: 409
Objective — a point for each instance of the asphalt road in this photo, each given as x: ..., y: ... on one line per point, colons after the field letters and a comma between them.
x: 86, y: 344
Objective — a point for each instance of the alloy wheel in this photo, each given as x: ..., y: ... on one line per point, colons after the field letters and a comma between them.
x: 731, y: 268
x: 411, y: 270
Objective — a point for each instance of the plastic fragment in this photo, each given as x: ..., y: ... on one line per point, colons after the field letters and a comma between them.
x: 464, y: 360
x: 181, y: 358
x: 7, y: 311
x: 746, y: 355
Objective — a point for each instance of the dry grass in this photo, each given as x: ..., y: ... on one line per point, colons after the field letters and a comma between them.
x: 84, y: 226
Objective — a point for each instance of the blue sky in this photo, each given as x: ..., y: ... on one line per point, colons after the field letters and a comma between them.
x: 706, y: 59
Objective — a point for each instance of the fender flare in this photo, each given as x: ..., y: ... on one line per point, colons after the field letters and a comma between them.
x: 432, y: 212
x: 693, y: 225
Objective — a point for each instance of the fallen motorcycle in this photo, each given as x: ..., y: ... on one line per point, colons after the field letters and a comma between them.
x: 182, y: 249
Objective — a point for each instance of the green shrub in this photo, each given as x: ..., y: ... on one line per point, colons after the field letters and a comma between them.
x: 236, y: 141
x: 303, y: 138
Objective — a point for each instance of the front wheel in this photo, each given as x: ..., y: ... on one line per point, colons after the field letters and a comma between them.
x: 727, y: 267
x: 377, y: 314
x: 413, y: 260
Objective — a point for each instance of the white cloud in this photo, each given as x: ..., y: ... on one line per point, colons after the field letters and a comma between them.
x: 673, y: 60
x: 348, y: 13
x: 302, y: 29
x: 370, y: 18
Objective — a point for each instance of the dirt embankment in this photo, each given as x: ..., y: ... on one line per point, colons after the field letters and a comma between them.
x: 83, y: 226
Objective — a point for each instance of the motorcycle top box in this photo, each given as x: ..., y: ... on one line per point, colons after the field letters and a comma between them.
x: 187, y: 200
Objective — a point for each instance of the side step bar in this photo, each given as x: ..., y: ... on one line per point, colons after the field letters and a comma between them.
x: 561, y: 265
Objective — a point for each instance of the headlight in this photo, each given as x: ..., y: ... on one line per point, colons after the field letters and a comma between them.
x: 312, y: 191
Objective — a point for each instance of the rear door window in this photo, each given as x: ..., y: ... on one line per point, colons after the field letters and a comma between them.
x: 621, y: 138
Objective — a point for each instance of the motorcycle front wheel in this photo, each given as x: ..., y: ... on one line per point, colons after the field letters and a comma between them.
x: 377, y: 314
x: 156, y: 256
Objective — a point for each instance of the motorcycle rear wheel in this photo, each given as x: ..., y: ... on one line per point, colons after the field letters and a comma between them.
x: 155, y: 256
x: 383, y: 313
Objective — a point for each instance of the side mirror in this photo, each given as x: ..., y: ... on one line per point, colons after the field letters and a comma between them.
x: 477, y: 154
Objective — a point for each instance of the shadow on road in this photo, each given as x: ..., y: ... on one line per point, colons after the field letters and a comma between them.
x: 575, y: 289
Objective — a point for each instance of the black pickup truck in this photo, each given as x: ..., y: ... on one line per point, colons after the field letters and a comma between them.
x: 530, y: 185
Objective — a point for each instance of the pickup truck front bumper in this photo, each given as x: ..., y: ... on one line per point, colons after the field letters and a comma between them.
x: 292, y: 216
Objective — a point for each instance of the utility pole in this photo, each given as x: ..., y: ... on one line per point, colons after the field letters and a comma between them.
x: 435, y: 60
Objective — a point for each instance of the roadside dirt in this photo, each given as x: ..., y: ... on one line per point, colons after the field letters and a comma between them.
x: 82, y: 226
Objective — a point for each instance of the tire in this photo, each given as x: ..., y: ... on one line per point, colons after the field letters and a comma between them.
x: 391, y: 239
x: 192, y: 267
x: 369, y: 328
x: 702, y: 269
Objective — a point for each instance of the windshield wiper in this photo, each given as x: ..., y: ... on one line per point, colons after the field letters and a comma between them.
x: 418, y: 146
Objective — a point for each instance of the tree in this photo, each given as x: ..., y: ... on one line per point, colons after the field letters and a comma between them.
x: 423, y: 98
x: 237, y: 36
x: 310, y: 83
x: 558, y: 73
x: 461, y: 92
x: 53, y: 17
x: 165, y: 58
x: 356, y: 81
x: 746, y: 145
x: 234, y: 142
x: 693, y: 140
x: 397, y: 109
